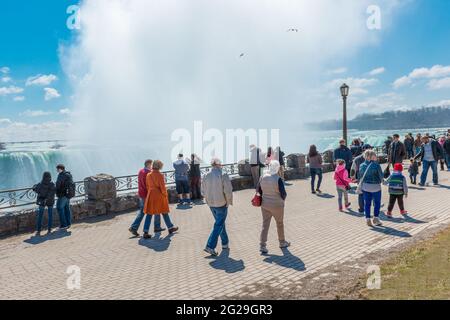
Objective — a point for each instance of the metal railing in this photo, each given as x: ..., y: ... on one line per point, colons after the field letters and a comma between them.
x: 26, y: 196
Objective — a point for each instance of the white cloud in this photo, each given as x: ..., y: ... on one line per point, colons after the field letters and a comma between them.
x: 384, y: 102
x: 5, y: 121
x: 51, y: 93
x: 65, y: 111
x: 377, y: 71
x: 41, y: 80
x: 19, y: 99
x: 357, y: 85
x: 440, y: 103
x: 434, y: 72
x: 20, y: 131
x: 338, y: 71
x: 10, y: 90
x: 5, y: 70
x: 437, y: 84
x: 6, y: 79
x: 35, y: 113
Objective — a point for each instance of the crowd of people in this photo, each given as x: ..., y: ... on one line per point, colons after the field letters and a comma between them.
x: 357, y: 164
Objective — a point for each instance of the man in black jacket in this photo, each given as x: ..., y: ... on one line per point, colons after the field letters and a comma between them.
x: 447, y: 151
x: 397, y: 151
x: 429, y: 154
x: 64, y: 183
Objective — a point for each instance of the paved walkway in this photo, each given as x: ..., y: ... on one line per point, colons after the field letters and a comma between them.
x: 115, y: 266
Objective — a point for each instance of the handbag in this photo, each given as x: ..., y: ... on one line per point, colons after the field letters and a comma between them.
x: 347, y: 186
x: 257, y: 200
x: 360, y: 183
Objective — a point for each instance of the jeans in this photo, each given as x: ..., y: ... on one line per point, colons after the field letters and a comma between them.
x: 137, y: 222
x: 220, y: 215
x: 315, y: 172
x: 426, y: 167
x: 342, y: 193
x: 63, y: 207
x: 361, y: 202
x: 413, y: 178
x: 410, y: 153
x: 148, y: 220
x: 39, y: 218
x: 392, y: 199
x: 368, y: 197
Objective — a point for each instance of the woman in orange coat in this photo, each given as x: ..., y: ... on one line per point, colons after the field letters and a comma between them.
x: 157, y: 201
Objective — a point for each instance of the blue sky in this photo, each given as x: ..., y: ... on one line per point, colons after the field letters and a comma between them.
x: 417, y: 36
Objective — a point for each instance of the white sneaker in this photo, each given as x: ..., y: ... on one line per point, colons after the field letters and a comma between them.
x: 263, y: 249
x: 369, y: 222
x: 284, y: 244
x: 377, y: 222
x: 210, y: 251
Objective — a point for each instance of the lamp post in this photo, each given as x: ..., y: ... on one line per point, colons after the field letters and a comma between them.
x: 344, y: 92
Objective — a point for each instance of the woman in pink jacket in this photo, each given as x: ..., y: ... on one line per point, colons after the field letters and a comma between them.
x: 342, y: 183
x: 442, y: 161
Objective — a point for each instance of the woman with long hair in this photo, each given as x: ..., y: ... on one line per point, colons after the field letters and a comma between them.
x: 45, y: 191
x: 314, y: 158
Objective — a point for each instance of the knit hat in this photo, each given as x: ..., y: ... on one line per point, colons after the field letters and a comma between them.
x: 398, y: 167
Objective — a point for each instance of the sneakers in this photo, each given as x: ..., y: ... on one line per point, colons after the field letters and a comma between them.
x: 210, y: 251
x: 284, y: 244
x: 37, y: 234
x: 348, y: 205
x: 313, y: 192
x: 389, y: 214
x: 187, y: 201
x: 377, y: 222
x: 147, y: 235
x: 263, y: 249
x: 173, y: 230
x: 403, y: 212
x: 318, y: 191
x: 134, y: 232
x: 158, y: 230
x: 341, y: 210
x: 369, y: 222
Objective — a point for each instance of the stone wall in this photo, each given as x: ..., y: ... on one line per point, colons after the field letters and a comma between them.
x: 24, y: 220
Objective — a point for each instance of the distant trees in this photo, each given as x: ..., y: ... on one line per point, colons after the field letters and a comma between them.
x: 425, y: 117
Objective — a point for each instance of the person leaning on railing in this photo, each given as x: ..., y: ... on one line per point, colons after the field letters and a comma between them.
x: 45, y: 197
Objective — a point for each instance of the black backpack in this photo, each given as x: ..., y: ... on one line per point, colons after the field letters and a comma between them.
x: 70, y: 187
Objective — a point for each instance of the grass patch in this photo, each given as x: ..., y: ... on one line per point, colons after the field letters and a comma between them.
x: 421, y: 272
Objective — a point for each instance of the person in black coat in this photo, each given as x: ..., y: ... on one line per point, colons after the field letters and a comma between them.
x: 397, y: 151
x: 195, y: 177
x: 45, y: 191
x: 343, y: 153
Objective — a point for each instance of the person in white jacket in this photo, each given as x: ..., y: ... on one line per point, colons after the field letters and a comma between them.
x: 218, y: 193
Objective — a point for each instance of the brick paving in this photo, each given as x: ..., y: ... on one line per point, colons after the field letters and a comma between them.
x: 115, y: 266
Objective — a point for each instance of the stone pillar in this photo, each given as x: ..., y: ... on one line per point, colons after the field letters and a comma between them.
x: 296, y: 160
x: 100, y: 187
x: 328, y: 156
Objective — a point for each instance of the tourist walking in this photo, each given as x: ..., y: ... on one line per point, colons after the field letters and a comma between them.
x: 343, y: 153
x: 45, y: 198
x: 354, y: 173
x: 157, y: 201
x: 413, y: 171
x: 65, y: 190
x: 356, y: 148
x: 429, y: 154
x: 398, y: 188
x: 417, y: 144
x: 409, y: 145
x: 447, y: 151
x: 195, y: 177
x: 255, y: 163
x: 397, y: 151
x: 442, y: 159
x: 182, y: 180
x: 342, y: 184
x: 142, y: 194
x: 387, y: 145
x: 271, y: 188
x: 314, y: 158
x: 370, y: 185
x: 218, y: 193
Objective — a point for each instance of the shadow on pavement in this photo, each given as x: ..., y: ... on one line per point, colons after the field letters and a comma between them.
x: 287, y: 260
x: 157, y: 242
x: 325, y: 195
x: 354, y: 213
x: 227, y: 264
x: 391, y: 232
x: 59, y: 234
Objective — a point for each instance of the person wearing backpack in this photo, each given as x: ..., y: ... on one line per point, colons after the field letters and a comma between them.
x: 65, y: 190
x: 398, y: 189
x: 45, y: 197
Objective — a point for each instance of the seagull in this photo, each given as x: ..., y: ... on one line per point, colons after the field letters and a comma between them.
x: 292, y: 29
x: 241, y: 55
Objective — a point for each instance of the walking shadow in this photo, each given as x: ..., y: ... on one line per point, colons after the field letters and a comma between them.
x: 287, y: 260
x: 184, y: 207
x: 225, y: 263
x: 325, y: 195
x: 443, y: 186
x: 384, y: 217
x: 354, y: 213
x: 416, y: 188
x: 413, y: 220
x: 59, y: 234
x: 391, y: 232
x: 157, y: 243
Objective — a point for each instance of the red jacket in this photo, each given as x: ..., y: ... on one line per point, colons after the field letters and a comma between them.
x: 142, y: 185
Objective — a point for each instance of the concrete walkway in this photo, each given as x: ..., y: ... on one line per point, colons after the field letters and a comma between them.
x: 115, y: 266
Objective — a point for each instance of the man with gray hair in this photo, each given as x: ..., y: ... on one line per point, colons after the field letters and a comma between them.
x: 218, y: 193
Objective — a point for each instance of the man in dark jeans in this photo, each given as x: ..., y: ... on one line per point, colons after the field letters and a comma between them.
x: 63, y: 184
x: 397, y: 151
x: 430, y: 152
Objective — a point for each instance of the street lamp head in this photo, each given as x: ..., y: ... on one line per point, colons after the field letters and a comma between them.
x: 344, y: 90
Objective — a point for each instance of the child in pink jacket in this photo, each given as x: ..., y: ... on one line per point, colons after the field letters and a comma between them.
x: 342, y: 183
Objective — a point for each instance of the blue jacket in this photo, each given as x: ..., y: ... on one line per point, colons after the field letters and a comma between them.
x: 374, y: 175
x: 343, y: 153
x: 181, y: 170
